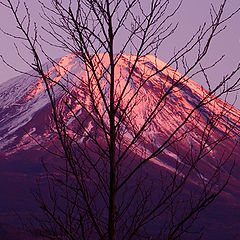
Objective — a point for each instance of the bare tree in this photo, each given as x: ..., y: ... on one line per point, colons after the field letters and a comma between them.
x: 102, y: 189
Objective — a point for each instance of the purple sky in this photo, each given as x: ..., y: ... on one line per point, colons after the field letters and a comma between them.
x: 191, y: 15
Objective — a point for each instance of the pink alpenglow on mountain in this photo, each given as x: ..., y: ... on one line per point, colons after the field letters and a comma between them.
x: 27, y: 130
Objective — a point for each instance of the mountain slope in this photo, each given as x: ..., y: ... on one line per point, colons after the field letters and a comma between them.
x: 27, y: 126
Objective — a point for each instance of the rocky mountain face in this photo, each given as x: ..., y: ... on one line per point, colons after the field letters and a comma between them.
x: 28, y: 133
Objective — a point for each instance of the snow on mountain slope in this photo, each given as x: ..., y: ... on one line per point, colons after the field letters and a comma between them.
x: 23, y: 99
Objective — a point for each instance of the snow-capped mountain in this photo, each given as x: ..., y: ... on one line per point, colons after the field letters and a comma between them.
x: 27, y: 126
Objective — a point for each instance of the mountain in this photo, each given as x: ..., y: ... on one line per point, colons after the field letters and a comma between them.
x: 28, y: 133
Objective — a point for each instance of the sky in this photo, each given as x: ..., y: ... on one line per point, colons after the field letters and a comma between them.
x: 190, y: 16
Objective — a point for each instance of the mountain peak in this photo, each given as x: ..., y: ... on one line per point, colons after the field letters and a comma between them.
x: 23, y: 97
